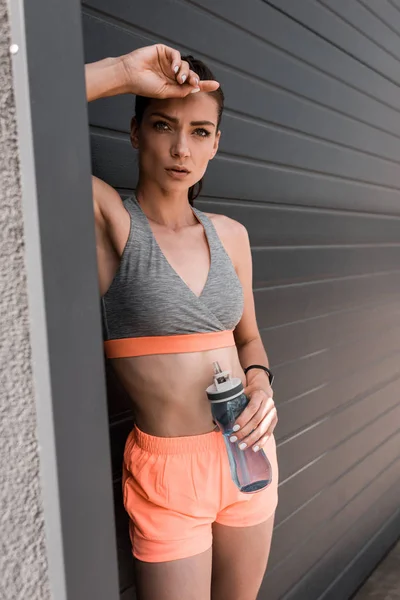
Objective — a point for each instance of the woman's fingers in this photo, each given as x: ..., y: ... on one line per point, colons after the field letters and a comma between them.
x: 173, y: 90
x: 173, y: 60
x: 193, y: 79
x: 249, y: 419
x: 180, y: 68
x: 208, y: 85
x: 260, y: 436
x: 259, y: 418
x: 183, y: 73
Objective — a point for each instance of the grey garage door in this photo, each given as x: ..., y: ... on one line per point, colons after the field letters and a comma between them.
x: 310, y: 163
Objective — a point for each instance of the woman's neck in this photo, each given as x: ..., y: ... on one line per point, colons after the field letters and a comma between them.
x: 171, y: 210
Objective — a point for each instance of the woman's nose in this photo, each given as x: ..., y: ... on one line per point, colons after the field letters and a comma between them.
x: 180, y: 147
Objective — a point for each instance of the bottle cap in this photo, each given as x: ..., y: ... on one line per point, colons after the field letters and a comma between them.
x: 224, y: 387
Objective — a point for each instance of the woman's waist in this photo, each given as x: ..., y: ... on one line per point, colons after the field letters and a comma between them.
x: 181, y: 373
x: 169, y: 391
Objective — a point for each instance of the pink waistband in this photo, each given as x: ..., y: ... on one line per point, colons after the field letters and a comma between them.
x: 190, y: 444
x: 168, y: 344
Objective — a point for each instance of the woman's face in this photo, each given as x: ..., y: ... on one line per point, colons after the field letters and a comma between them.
x: 176, y: 139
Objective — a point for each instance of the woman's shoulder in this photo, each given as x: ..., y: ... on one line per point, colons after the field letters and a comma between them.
x: 233, y: 236
x: 228, y: 228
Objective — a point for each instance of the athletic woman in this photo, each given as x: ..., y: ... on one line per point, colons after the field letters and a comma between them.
x: 176, y: 293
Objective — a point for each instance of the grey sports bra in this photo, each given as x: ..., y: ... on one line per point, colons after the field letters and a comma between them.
x: 149, y: 309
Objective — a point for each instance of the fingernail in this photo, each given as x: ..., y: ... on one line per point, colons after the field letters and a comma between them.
x: 183, y: 78
x: 196, y: 82
x: 233, y: 438
x: 256, y: 448
x: 176, y: 68
x: 195, y: 90
x: 236, y: 428
x: 243, y: 445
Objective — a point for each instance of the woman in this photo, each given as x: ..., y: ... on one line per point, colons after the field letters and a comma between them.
x: 175, y: 283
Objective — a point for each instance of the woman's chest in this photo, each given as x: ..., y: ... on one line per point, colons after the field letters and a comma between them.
x: 187, y: 253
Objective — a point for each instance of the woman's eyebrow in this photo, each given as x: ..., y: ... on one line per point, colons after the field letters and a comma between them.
x: 199, y: 123
x: 174, y: 120
x: 164, y: 116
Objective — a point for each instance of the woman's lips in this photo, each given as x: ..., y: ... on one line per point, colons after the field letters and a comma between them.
x: 177, y: 174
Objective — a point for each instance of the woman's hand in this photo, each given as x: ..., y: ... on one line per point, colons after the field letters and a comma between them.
x: 258, y: 420
x: 153, y: 71
x: 158, y: 72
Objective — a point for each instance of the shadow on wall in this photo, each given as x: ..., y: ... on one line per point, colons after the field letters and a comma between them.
x: 121, y: 422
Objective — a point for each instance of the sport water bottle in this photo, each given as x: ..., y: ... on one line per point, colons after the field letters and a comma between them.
x: 251, y: 471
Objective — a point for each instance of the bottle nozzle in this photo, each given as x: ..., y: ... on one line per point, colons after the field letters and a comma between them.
x: 217, y: 368
x: 219, y: 375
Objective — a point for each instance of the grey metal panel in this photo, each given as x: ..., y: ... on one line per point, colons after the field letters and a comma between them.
x: 357, y: 53
x: 341, y: 32
x: 330, y: 498
x: 283, y: 304
x: 385, y: 12
x: 297, y: 490
x: 297, y: 340
x: 308, y: 162
x: 361, y: 562
x: 299, y: 264
x: 281, y: 582
x: 301, y: 412
x: 365, y: 25
x: 63, y: 300
x: 311, y: 443
x: 312, y: 371
x: 359, y: 535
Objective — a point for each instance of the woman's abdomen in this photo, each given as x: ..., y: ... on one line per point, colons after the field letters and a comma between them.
x: 168, y: 391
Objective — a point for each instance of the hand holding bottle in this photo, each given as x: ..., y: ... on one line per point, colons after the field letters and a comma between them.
x: 258, y: 420
x: 251, y: 472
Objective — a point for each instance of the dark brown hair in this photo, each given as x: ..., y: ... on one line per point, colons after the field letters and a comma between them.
x: 204, y: 73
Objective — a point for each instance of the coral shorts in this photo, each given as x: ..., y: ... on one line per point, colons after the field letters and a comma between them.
x: 175, y: 488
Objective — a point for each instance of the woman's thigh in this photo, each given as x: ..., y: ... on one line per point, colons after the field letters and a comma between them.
x: 240, y: 557
x: 186, y: 578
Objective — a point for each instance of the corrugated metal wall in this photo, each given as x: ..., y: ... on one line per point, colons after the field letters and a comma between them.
x: 310, y: 163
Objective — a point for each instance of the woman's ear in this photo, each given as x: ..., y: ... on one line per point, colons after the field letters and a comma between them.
x: 134, y: 133
x: 216, y: 144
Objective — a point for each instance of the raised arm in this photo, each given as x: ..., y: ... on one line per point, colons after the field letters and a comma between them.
x: 104, y: 78
x: 153, y: 71
x: 156, y: 72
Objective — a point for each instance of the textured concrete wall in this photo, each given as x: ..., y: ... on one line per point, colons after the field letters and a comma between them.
x: 23, y: 565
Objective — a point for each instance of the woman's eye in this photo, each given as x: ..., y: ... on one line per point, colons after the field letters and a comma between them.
x: 161, y: 126
x: 202, y: 132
